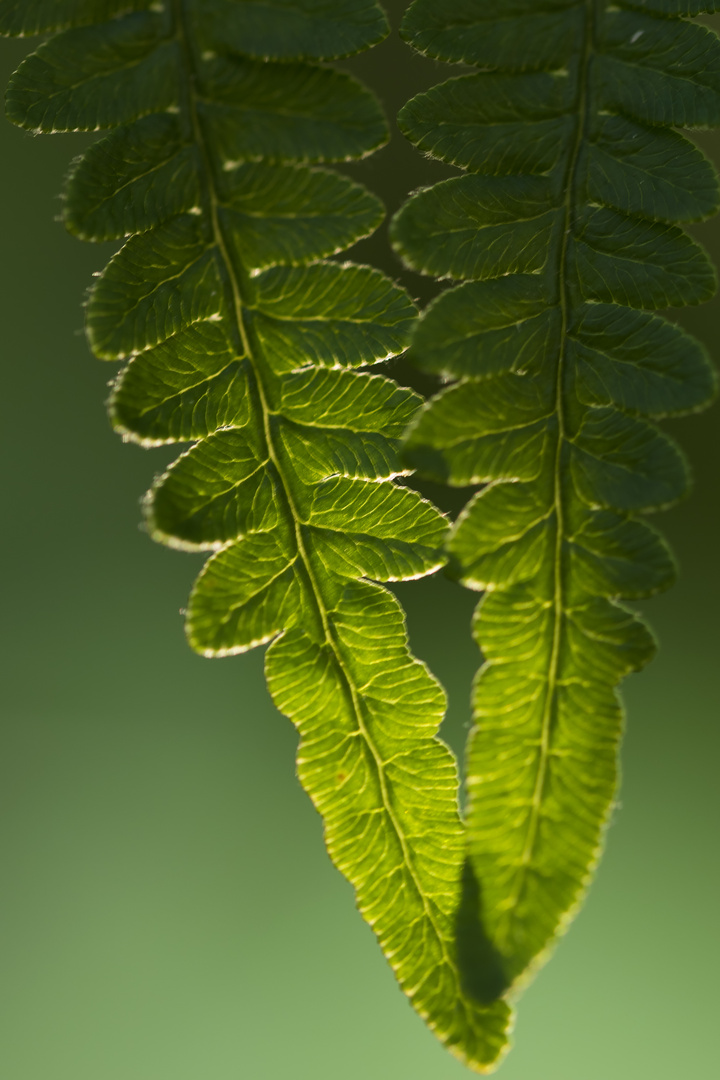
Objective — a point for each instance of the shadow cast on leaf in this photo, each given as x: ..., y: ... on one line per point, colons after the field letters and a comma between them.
x: 481, y: 966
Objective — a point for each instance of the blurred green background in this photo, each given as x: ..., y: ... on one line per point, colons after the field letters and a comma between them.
x: 167, y: 909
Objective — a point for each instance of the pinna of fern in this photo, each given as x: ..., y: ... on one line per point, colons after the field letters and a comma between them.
x: 242, y: 338
x: 564, y: 233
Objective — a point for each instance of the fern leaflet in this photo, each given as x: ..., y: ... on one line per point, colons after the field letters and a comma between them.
x: 563, y: 231
x: 242, y: 339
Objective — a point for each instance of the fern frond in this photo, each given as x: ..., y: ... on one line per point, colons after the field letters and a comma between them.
x: 241, y: 339
x: 564, y: 233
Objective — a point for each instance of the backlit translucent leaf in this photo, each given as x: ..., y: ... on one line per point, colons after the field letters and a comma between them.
x: 658, y: 70
x: 474, y: 32
x: 649, y: 171
x: 478, y: 227
x: 183, y: 389
x: 639, y: 263
x: 499, y: 124
x: 241, y: 339
x: 97, y: 77
x: 320, y: 115
x: 136, y: 177
x: 37, y: 16
x: 673, y: 7
x: 293, y: 29
x: 562, y: 231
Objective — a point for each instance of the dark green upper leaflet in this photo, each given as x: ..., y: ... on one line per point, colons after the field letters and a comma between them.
x: 242, y: 338
x: 563, y: 233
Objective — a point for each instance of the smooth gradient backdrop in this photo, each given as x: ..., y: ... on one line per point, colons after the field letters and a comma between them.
x: 167, y: 909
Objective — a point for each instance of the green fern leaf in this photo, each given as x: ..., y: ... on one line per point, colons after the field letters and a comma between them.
x: 241, y: 339
x: 563, y: 233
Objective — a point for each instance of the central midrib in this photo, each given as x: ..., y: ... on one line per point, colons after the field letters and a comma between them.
x: 235, y: 288
x: 558, y: 600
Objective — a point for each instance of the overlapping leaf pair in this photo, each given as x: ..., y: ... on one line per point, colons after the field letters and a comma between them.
x: 563, y: 231
x: 241, y: 341
x: 243, y: 338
